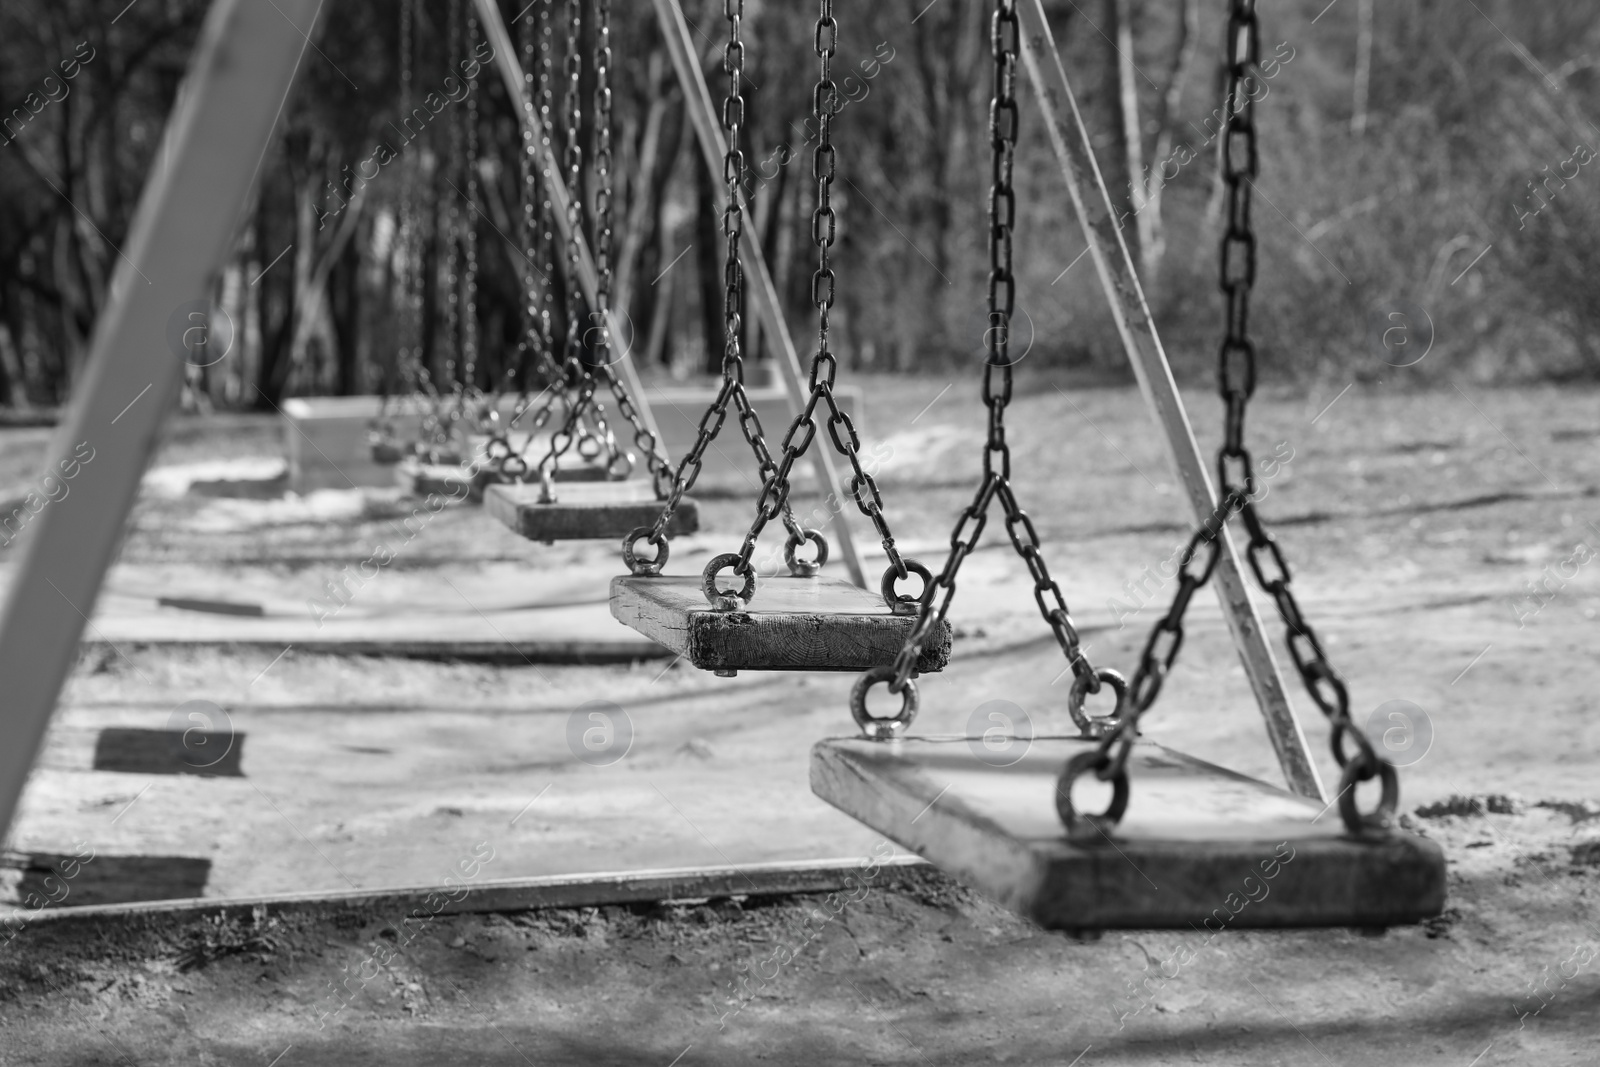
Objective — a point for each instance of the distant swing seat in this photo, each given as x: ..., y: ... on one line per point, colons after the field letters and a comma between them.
x: 418, y: 478
x: 1199, y: 848
x: 585, y: 511
x: 792, y: 624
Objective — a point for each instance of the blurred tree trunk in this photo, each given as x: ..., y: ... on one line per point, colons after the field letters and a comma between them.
x: 1148, y: 179
x: 659, y: 146
x: 13, y: 387
x: 1363, y: 75
x: 344, y: 311
x: 1184, y: 48
x: 312, y: 270
x: 74, y: 283
x: 659, y: 235
x: 280, y: 285
x: 1210, y: 230
x: 949, y: 57
x: 794, y: 250
x: 660, y: 319
x: 1121, y: 12
x: 771, y: 213
x: 429, y: 240
x: 1114, y: 158
x: 707, y: 236
x: 664, y: 281
x: 221, y: 379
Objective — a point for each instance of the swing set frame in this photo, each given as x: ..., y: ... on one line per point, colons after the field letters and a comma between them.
x: 228, y: 112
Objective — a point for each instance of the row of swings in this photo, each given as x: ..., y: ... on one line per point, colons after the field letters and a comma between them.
x: 1180, y: 840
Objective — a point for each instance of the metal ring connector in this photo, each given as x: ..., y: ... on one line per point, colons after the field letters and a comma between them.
x: 618, y: 473
x: 905, y: 604
x: 664, y: 482
x: 800, y: 568
x: 1097, y: 726
x: 1360, y: 769
x: 1091, y: 827
x: 594, y: 445
x: 708, y: 581
x: 513, y: 467
x: 872, y: 727
x: 645, y: 568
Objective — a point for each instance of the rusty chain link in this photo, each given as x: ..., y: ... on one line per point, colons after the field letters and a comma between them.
x: 997, y: 389
x: 644, y: 440
x: 1236, y: 383
x: 436, y: 423
x: 824, y: 368
x: 575, y: 427
x: 591, y: 360
x: 469, y: 272
x: 732, y: 390
x: 506, y: 463
x: 410, y: 376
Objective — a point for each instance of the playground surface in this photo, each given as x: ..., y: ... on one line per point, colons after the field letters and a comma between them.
x: 1414, y: 523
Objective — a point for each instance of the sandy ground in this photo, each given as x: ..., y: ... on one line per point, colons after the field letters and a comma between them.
x: 919, y: 971
x: 1413, y: 522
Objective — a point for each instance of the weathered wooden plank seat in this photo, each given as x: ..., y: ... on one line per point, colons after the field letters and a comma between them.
x: 416, y: 478
x: 585, y: 510
x: 793, y: 624
x: 1199, y: 846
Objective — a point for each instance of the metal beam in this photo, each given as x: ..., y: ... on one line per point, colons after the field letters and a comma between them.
x: 1114, y: 266
x: 505, y: 59
x: 217, y: 137
x: 758, y: 279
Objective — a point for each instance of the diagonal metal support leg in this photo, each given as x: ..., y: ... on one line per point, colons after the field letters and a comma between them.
x: 219, y: 133
x: 1092, y: 203
x: 707, y: 127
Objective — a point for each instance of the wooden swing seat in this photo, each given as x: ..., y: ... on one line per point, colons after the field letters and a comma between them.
x: 416, y: 478
x: 586, y: 510
x: 793, y: 624
x: 1180, y: 858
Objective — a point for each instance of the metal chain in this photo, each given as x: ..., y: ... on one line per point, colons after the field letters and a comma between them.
x: 574, y: 162
x: 732, y: 390
x: 469, y: 274
x: 644, y: 440
x: 824, y: 368
x: 1236, y: 383
x: 411, y: 347
x: 553, y: 372
x: 541, y: 219
x: 574, y: 427
x: 419, y: 379
x: 411, y: 354
x: 601, y: 350
x: 381, y: 431
x: 997, y: 391
x: 584, y: 363
x: 528, y: 351
x: 547, y: 218
x: 506, y: 463
x: 586, y: 423
x: 443, y: 415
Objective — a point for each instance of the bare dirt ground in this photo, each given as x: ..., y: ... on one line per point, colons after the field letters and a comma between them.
x: 1413, y: 522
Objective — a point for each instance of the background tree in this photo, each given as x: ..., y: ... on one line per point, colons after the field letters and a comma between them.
x: 1401, y: 143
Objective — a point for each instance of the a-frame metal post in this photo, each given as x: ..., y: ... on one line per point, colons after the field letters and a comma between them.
x: 758, y: 279
x: 1114, y: 266
x: 505, y: 59
x: 216, y: 140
